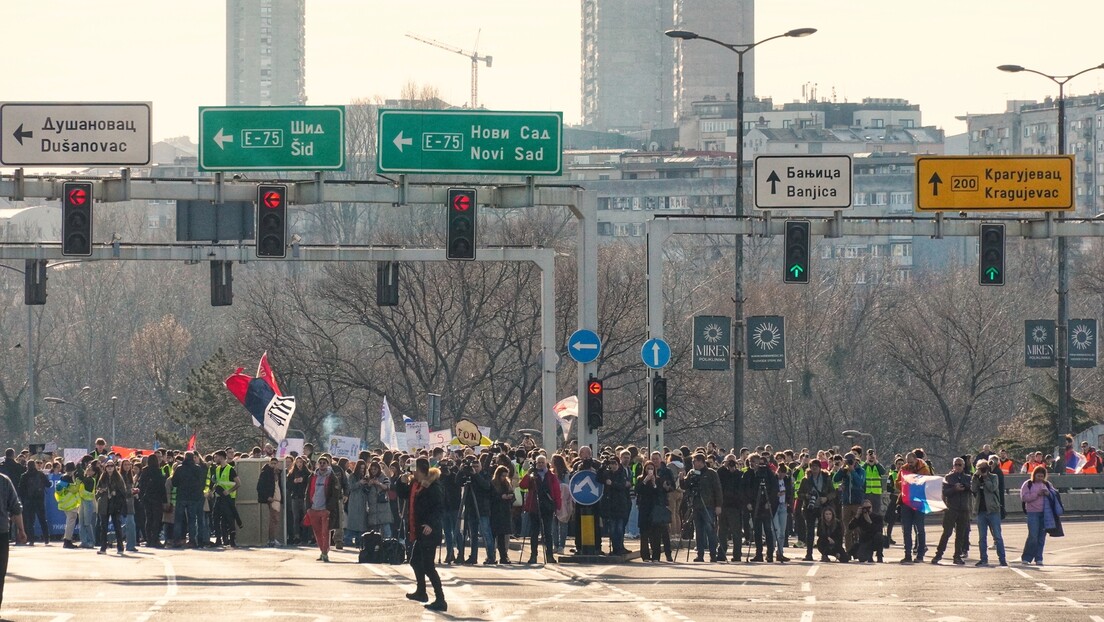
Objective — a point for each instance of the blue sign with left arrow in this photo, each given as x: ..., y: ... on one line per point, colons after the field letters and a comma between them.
x: 584, y: 345
x: 655, y: 353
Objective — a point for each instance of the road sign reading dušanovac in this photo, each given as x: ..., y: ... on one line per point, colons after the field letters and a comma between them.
x: 994, y: 183
x: 75, y: 133
x: 470, y: 141
x: 272, y: 138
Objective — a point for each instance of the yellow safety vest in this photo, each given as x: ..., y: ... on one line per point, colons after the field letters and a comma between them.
x: 222, y: 479
x: 873, y: 480
x: 87, y: 495
x: 68, y: 499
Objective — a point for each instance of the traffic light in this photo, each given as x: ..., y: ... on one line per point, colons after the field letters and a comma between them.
x: 387, y: 283
x: 222, y: 283
x: 272, y: 222
x: 797, y: 252
x: 659, y: 398
x: 34, y: 282
x: 594, y: 403
x: 991, y: 255
x: 461, y: 224
x: 76, y: 219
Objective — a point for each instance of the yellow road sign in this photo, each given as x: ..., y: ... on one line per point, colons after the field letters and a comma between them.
x: 994, y: 184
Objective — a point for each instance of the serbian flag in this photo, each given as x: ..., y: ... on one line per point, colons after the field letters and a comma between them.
x: 271, y: 411
x: 1075, y: 462
x: 923, y: 493
x: 264, y: 370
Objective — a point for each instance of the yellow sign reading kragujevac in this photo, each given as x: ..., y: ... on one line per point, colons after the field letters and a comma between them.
x: 994, y: 184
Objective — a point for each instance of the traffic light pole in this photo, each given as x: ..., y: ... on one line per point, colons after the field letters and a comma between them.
x: 586, y: 212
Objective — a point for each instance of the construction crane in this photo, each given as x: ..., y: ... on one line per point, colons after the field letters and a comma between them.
x: 474, y: 56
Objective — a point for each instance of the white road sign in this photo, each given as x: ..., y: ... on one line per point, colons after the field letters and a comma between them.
x: 75, y: 133
x: 803, y: 182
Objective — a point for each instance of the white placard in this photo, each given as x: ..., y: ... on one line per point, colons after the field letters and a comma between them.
x: 289, y: 445
x: 73, y: 455
x: 417, y: 434
x: 51, y: 447
x: 440, y: 438
x: 344, y: 447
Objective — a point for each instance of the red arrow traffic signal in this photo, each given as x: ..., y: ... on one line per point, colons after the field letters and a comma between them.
x: 273, y: 200
x: 461, y: 202
x: 77, y: 196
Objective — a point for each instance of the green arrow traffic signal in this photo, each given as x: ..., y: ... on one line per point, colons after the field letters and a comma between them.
x: 796, y: 270
x: 992, y: 273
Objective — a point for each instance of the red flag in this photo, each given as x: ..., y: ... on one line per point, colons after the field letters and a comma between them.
x: 191, y: 443
x: 265, y: 371
x: 129, y: 452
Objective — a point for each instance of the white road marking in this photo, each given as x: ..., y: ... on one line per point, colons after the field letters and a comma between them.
x: 171, y: 591
x: 1021, y: 573
x: 1096, y: 619
x: 813, y: 570
x: 1044, y: 586
x: 290, y: 614
x: 806, y: 587
x: 806, y: 616
x: 810, y: 600
x: 54, y: 617
x: 1072, y: 602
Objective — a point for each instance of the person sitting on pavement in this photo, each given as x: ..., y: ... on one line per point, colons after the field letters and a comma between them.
x: 868, y: 528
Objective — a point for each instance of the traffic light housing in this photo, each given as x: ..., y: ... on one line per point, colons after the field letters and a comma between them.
x: 272, y: 221
x: 460, y: 243
x: 387, y: 283
x: 34, y: 282
x: 76, y: 219
x: 659, y: 399
x: 222, y: 283
x: 796, y: 268
x: 594, y: 403
x: 991, y: 255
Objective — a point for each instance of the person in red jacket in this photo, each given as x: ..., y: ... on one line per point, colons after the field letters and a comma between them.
x: 541, y: 504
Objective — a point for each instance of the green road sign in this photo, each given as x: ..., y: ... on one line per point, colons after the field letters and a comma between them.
x: 272, y: 138
x: 470, y: 141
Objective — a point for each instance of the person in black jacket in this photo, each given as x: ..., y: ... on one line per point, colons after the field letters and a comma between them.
x: 732, y: 507
x: 868, y: 525
x: 267, y: 485
x: 152, y: 496
x: 426, y: 508
x: 502, y: 503
x: 475, y: 485
x: 189, y: 479
x: 451, y: 486
x: 651, y: 495
x: 616, y: 504
x: 830, y: 536
x: 761, y: 491
x: 32, y: 492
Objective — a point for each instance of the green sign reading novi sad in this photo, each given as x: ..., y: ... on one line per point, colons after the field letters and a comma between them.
x: 470, y: 141
x: 272, y: 138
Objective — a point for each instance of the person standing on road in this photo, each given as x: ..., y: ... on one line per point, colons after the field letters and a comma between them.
x: 378, y: 505
x: 297, y: 479
x: 153, y: 497
x: 731, y: 479
x: 225, y: 483
x: 702, y: 489
x: 425, y: 511
x: 68, y: 501
x: 814, y: 494
x: 761, y: 490
x: 324, y: 495
x: 86, y: 490
x: 32, y: 493
x: 126, y: 471
x: 1035, y: 494
x: 987, y: 505
x: 616, y: 503
x: 956, y: 495
x: 541, y: 504
x: 111, y: 499
x: 851, y: 483
x: 269, y: 496
x: 502, y: 501
x: 875, y: 478
x: 11, y: 515
x: 188, y: 479
x: 911, y: 519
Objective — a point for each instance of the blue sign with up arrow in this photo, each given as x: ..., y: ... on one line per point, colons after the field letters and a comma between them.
x: 584, y: 345
x: 585, y: 488
x: 655, y: 353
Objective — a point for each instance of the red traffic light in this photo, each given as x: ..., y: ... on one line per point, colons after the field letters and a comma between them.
x: 461, y: 202
x: 77, y: 196
x: 273, y: 199
x: 594, y: 387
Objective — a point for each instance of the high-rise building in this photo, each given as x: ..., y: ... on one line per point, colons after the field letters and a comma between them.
x: 635, y: 78
x: 704, y: 70
x: 265, y: 52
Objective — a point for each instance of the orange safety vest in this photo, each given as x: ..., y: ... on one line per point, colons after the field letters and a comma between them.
x: 1090, y: 464
x: 1006, y: 466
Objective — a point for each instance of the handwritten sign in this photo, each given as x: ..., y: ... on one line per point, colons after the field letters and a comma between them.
x: 344, y: 447
x: 440, y: 438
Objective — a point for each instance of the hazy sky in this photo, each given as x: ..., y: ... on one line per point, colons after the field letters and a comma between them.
x: 940, y: 54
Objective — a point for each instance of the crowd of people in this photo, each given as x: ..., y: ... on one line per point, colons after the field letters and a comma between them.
x: 747, y: 504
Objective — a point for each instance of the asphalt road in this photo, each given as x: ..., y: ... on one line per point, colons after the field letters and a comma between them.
x: 49, y: 584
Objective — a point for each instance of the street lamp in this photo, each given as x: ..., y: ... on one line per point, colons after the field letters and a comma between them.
x: 81, y: 407
x: 1064, y: 422
x: 853, y: 434
x: 738, y: 299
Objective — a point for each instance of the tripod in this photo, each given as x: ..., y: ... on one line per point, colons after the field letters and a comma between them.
x: 465, y: 495
x: 767, y: 533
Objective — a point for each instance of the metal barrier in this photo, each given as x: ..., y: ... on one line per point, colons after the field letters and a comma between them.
x: 1080, y: 493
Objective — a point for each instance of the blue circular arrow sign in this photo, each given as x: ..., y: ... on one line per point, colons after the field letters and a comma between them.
x: 655, y: 353
x: 585, y: 488
x: 584, y: 345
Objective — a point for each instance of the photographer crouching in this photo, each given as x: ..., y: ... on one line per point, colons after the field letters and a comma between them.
x: 868, y: 527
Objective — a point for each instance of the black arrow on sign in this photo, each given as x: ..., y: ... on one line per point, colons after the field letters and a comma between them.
x: 20, y: 134
x: 935, y: 181
x: 773, y: 179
